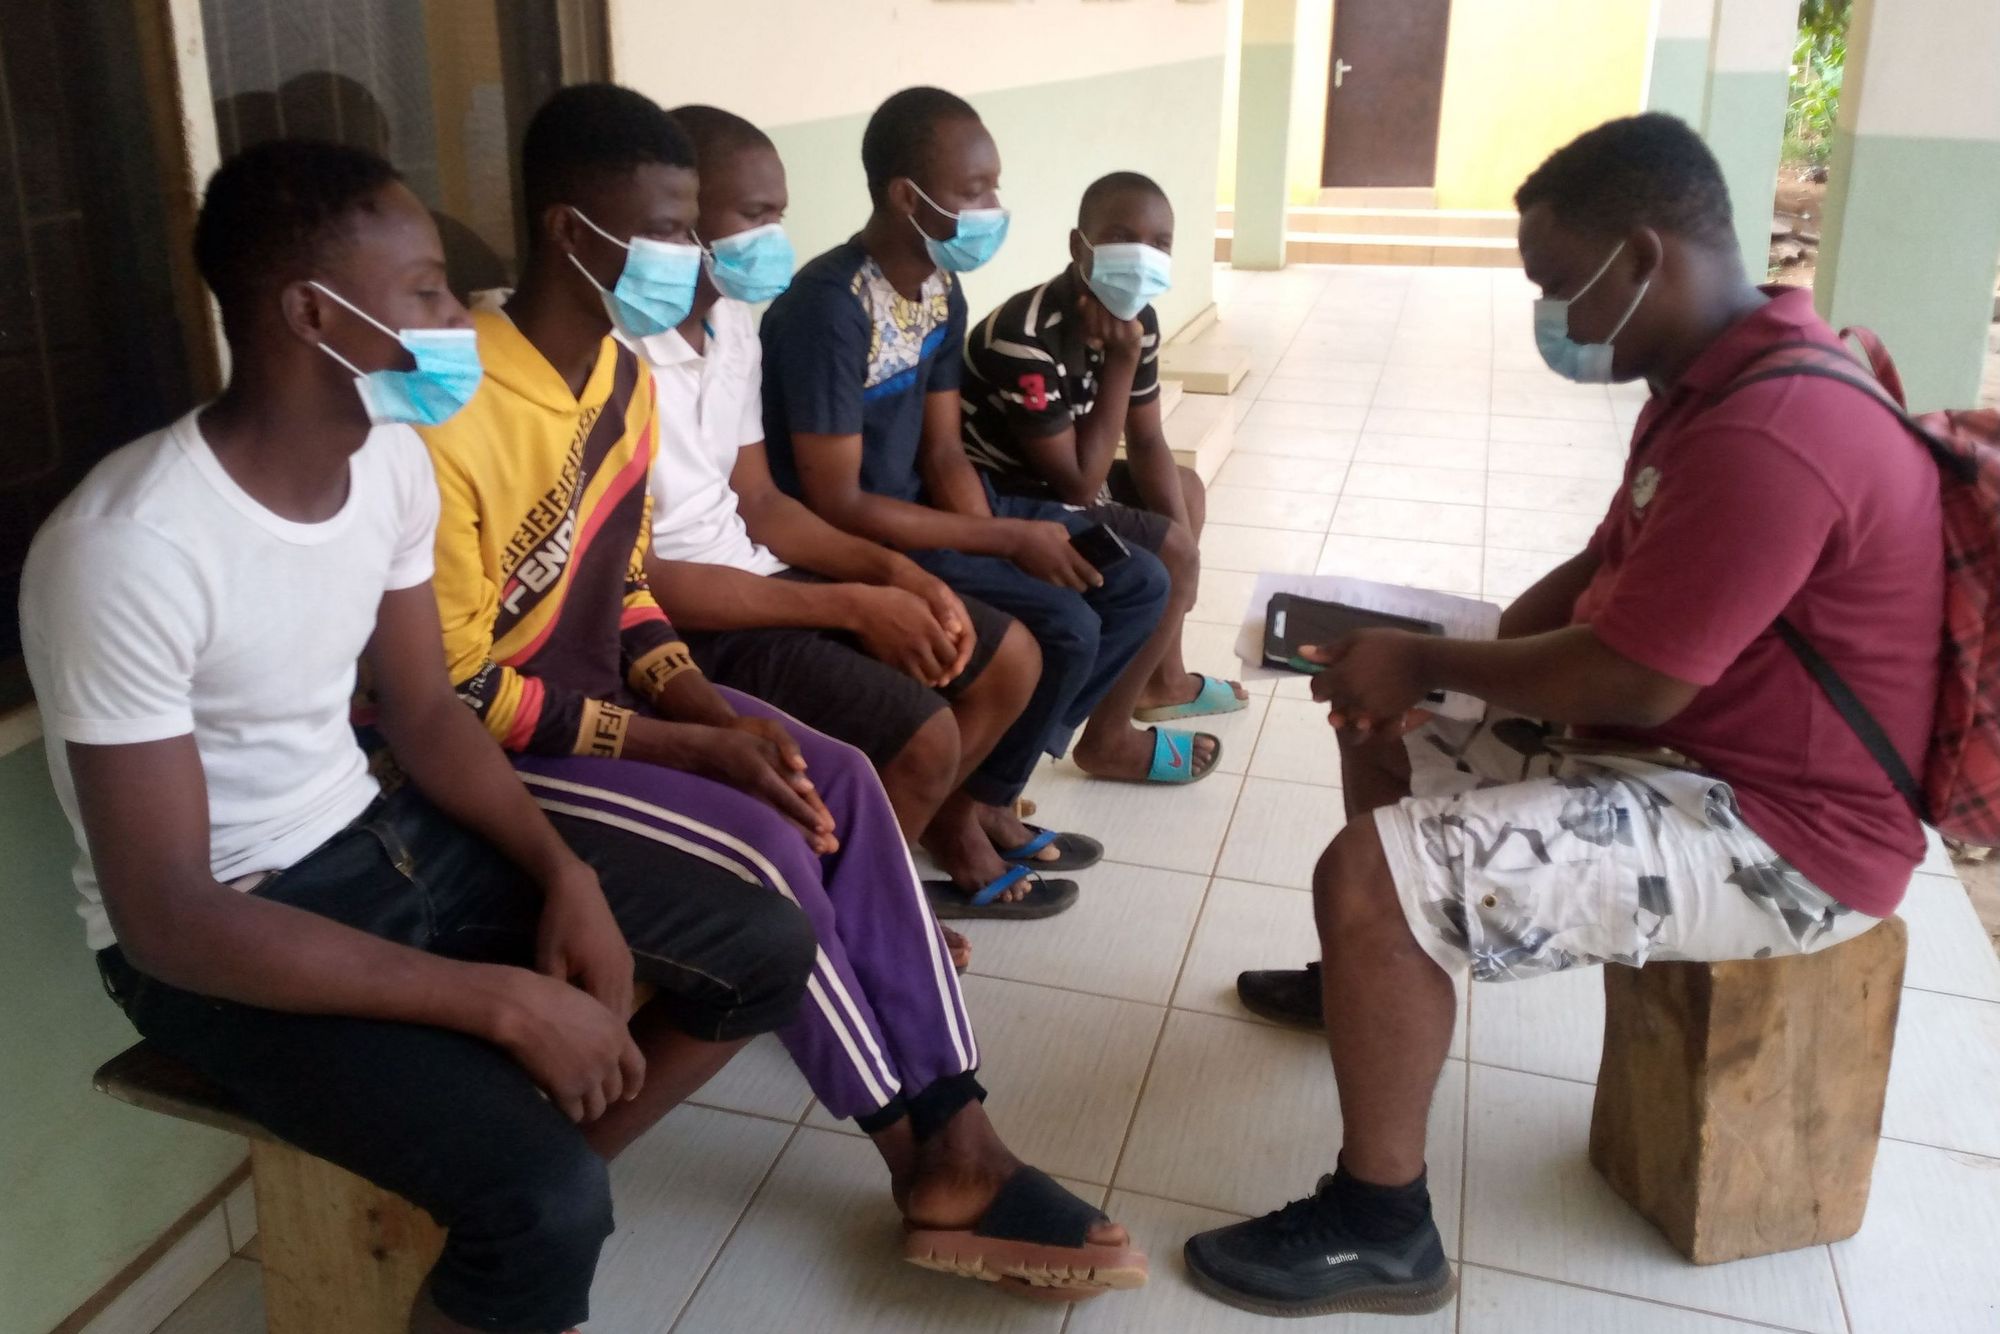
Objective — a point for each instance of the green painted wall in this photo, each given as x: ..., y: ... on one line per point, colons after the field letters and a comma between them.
x: 1055, y: 139
x: 1912, y: 261
x: 1744, y: 124
x: 1679, y: 82
x: 85, y: 1183
x: 1263, y: 117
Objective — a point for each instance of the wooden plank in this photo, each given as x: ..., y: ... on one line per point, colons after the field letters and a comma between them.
x: 1738, y: 1104
x: 340, y: 1256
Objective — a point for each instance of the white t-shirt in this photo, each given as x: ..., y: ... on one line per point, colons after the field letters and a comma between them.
x: 711, y: 406
x: 161, y: 600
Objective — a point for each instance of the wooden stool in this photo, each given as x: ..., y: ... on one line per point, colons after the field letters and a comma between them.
x: 1738, y: 1104
x: 341, y: 1256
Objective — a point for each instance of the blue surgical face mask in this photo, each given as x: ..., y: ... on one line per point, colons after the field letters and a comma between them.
x: 655, y: 289
x: 446, y: 377
x: 1584, y: 363
x: 1127, y: 275
x: 980, y: 232
x: 752, y: 266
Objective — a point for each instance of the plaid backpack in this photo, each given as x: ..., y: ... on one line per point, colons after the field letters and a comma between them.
x: 1960, y: 789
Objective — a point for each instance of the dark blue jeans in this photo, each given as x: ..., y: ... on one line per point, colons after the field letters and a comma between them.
x: 1087, y: 639
x: 448, y: 1121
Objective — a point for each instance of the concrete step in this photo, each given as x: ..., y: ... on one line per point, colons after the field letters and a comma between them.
x: 1387, y: 196
x: 1201, y: 430
x: 1485, y: 252
x: 1204, y: 368
x: 1367, y: 222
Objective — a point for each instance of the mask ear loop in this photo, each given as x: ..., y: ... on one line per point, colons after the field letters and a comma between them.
x: 327, y: 348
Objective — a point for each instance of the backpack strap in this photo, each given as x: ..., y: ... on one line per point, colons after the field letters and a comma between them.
x: 1849, y: 706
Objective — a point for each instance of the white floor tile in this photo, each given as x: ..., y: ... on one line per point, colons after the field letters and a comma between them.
x: 1224, y: 598
x: 1555, y: 461
x: 1282, y: 473
x: 1279, y: 831
x: 230, y: 1302
x: 1944, y: 1080
x: 1320, y: 416
x: 1570, y: 495
x: 1431, y: 388
x: 1923, y: 1259
x: 1174, y: 828
x: 1305, y: 364
x: 1949, y: 950
x: 1431, y: 520
x: 1556, y: 431
x: 1551, y: 1025
x: 676, y: 1193
x: 1230, y: 547
x: 1259, y: 507
x: 1297, y: 745
x: 1124, y: 938
x: 1299, y: 442
x: 1541, y: 403
x: 1309, y: 388
x: 1508, y: 574
x: 820, y: 1252
x: 1534, y: 1205
x: 1245, y: 926
x: 1210, y: 647
x: 1491, y: 1302
x: 760, y: 1080
x: 1397, y: 481
x: 1425, y: 421
x: 1243, y: 1117
x: 1420, y: 451
x: 1170, y: 1302
x: 1438, y: 565
x: 1539, y: 530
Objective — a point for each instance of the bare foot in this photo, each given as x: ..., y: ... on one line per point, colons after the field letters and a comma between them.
x: 958, y: 947
x: 1128, y: 753
x: 1178, y: 690
x: 958, y: 843
x: 1005, y: 828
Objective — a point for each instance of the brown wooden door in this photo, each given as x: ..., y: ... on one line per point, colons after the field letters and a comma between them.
x: 1383, y: 92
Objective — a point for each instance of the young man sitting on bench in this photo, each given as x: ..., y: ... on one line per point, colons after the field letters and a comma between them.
x: 554, y: 637
x: 849, y: 637
x: 1060, y: 373
x: 428, y: 989
x: 1708, y: 801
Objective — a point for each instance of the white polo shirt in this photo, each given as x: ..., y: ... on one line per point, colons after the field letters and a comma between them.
x: 711, y: 406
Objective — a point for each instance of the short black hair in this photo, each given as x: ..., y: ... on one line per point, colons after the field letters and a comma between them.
x: 717, y: 134
x: 899, y: 134
x: 587, y: 132
x: 1100, y: 192
x: 1641, y: 171
x: 269, y: 211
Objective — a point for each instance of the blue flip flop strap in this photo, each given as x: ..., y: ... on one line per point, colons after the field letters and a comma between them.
x: 1164, y: 769
x: 995, y: 888
x: 1042, y: 838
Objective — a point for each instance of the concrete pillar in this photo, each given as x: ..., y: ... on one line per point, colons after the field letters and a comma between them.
x: 1743, y: 116
x: 1677, y: 79
x: 1913, y: 200
x: 1263, y: 127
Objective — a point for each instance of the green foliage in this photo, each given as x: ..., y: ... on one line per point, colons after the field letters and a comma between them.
x: 1818, y: 62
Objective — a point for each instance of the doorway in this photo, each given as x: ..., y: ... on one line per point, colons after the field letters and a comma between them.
x: 1383, y: 93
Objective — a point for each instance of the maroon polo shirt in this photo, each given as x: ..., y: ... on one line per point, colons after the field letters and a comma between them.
x: 1793, y: 497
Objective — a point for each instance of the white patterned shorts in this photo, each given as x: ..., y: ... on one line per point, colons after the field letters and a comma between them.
x: 1513, y: 861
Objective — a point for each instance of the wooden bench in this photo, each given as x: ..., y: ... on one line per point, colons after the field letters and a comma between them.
x: 1738, y: 1104
x: 341, y: 1256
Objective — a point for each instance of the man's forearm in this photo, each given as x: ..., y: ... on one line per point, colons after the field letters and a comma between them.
x: 798, y: 537
x: 1097, y: 434
x: 910, y: 527
x: 1550, y: 601
x: 1563, y: 676
x: 718, y: 597
x: 1156, y: 475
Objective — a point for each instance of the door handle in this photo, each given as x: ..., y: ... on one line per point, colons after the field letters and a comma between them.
x: 1341, y: 69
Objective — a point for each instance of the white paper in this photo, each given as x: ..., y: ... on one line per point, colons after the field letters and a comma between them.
x: 1462, y: 618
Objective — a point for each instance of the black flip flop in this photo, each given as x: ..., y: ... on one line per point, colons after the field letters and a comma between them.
x: 1045, y: 898
x: 1074, y: 851
x: 1034, y: 1234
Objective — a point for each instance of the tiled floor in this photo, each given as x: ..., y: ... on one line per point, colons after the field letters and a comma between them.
x: 1396, y: 424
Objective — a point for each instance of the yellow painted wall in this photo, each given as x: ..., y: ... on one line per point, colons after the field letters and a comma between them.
x: 1524, y: 77
x: 1521, y: 78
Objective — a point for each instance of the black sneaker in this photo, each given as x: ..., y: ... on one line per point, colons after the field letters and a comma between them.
x: 1283, y: 995
x: 1301, y: 1261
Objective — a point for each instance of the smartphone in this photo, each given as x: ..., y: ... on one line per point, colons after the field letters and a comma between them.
x: 1100, y: 546
x: 1292, y: 622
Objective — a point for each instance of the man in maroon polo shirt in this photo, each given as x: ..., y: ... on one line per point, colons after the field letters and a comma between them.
x: 1657, y: 777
